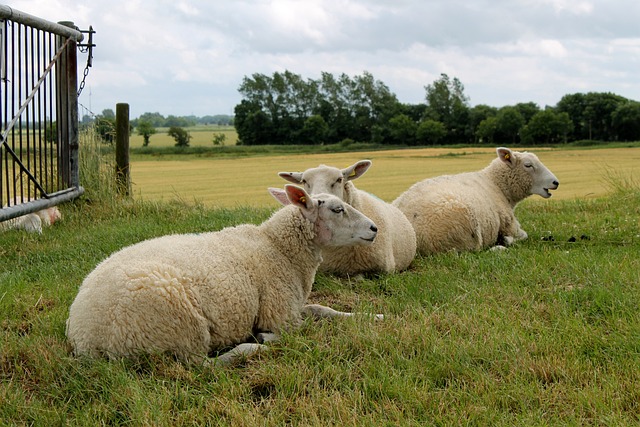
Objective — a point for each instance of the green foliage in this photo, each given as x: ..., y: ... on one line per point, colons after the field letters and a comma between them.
x: 509, y: 121
x: 315, y: 130
x: 275, y: 109
x: 145, y: 129
x: 181, y: 136
x: 544, y: 333
x: 430, y: 132
x: 401, y: 130
x: 219, y: 138
x: 547, y: 127
x: 626, y: 121
x: 447, y: 103
x: 106, y: 129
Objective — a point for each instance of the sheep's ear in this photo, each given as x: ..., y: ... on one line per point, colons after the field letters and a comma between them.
x: 505, y: 155
x: 297, y: 196
x: 356, y: 170
x: 280, y: 195
x: 295, y: 177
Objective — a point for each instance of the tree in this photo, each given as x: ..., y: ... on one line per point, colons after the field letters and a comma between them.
x: 626, y: 121
x: 315, y: 130
x: 156, y: 119
x: 253, y: 125
x: 145, y: 129
x: 447, y: 103
x: 401, y: 130
x: 547, y: 127
x: 527, y: 110
x: 219, y: 138
x: 108, y: 113
x: 106, y: 128
x: 509, y: 121
x: 430, y: 132
x: 591, y: 114
x: 181, y: 136
x: 486, y: 130
x: 477, y: 114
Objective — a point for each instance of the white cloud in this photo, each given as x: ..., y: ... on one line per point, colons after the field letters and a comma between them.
x: 189, y: 56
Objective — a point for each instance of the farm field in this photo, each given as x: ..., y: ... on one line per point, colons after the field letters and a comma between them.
x: 202, y: 136
x: 583, y: 173
x: 546, y: 332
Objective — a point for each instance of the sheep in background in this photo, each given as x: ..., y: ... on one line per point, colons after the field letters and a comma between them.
x: 189, y: 295
x: 395, y: 246
x: 475, y: 210
x: 33, y: 222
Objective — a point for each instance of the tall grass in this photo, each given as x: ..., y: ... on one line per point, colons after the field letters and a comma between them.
x: 545, y: 333
x: 97, y: 167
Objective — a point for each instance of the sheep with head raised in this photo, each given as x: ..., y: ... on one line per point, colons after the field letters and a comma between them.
x: 192, y: 294
x: 475, y: 210
x: 395, y: 246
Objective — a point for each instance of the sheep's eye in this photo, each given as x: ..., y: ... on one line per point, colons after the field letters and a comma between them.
x: 528, y: 165
x: 339, y: 181
x: 338, y: 210
x: 304, y: 181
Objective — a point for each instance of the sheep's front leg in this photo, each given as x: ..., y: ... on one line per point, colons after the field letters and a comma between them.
x: 320, y: 311
x: 239, y: 352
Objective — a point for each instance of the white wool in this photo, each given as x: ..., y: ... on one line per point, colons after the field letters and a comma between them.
x: 395, y: 247
x: 475, y: 210
x: 193, y: 294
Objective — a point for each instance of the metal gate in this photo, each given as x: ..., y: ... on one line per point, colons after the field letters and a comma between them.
x: 38, y: 112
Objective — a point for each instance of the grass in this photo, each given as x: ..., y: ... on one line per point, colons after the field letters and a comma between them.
x: 547, y: 332
x: 242, y: 181
x: 202, y: 136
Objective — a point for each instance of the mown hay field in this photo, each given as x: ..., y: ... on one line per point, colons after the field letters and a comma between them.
x: 201, y: 136
x: 230, y: 182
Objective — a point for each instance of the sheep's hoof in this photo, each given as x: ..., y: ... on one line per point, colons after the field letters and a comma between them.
x: 264, y: 337
x: 241, y: 351
x: 498, y: 248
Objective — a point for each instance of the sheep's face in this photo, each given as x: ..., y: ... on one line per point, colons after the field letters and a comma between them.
x: 536, y: 174
x: 327, y: 179
x: 339, y: 224
x: 336, y: 222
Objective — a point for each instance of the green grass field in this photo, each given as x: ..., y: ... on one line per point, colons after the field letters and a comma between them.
x: 544, y: 333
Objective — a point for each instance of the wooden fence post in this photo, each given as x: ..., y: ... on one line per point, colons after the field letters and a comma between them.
x: 123, y: 179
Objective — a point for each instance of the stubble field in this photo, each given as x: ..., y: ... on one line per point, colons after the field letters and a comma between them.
x: 224, y: 182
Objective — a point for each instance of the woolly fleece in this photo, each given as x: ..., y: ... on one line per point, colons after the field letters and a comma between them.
x: 475, y: 210
x: 193, y: 294
x: 395, y: 247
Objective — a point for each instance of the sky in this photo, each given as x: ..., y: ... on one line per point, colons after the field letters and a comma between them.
x: 188, y: 57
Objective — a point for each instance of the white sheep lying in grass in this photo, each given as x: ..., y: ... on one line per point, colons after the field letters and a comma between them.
x: 33, y: 222
x: 395, y: 246
x: 189, y: 295
x: 475, y: 210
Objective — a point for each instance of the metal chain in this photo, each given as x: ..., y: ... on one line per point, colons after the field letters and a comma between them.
x: 82, y: 83
x: 89, y: 49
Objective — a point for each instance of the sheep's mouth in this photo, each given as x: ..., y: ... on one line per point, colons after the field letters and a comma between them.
x: 370, y: 239
x: 547, y: 193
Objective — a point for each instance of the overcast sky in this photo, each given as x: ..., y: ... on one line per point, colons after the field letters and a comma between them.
x: 186, y: 57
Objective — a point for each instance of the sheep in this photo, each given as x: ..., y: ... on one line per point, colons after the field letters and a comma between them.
x: 193, y: 294
x: 395, y: 246
x: 475, y: 210
x: 33, y: 222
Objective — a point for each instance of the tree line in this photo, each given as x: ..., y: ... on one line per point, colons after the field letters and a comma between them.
x: 286, y: 109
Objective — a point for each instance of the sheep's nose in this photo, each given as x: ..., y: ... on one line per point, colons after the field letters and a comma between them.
x: 556, y: 183
x: 373, y: 228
